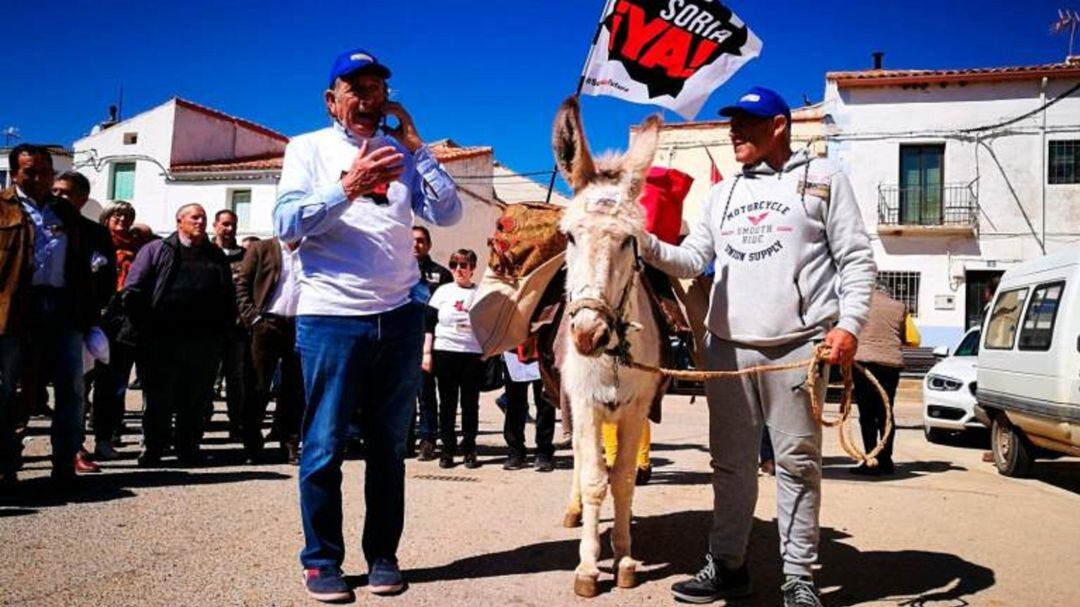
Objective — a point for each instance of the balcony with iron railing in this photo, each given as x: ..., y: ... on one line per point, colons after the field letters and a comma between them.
x: 946, y: 209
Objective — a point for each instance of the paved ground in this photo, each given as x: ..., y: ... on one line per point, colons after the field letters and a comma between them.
x: 946, y: 530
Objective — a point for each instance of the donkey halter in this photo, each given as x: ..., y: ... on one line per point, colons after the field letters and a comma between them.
x: 614, y: 317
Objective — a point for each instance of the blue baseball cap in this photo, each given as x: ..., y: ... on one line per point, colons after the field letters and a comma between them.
x: 761, y: 102
x: 355, y: 60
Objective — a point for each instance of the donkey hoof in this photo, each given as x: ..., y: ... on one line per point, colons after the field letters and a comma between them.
x: 586, y: 586
x: 626, y: 577
x: 571, y: 520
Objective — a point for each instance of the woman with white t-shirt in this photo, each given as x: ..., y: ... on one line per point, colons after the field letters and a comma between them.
x: 452, y: 354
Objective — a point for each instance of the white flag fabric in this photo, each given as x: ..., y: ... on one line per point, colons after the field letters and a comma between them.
x: 671, y: 53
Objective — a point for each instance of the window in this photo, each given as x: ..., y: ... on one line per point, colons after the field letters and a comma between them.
x: 131, y: 138
x: 1004, y: 318
x: 921, y: 184
x: 3, y: 178
x: 123, y: 181
x: 903, y: 287
x: 969, y: 346
x: 1064, y: 165
x: 240, y: 203
x: 1038, y: 330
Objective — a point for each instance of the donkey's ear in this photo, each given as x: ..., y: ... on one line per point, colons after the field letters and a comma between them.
x: 639, y: 157
x: 571, y: 150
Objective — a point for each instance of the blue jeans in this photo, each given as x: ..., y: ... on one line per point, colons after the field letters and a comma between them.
x: 53, y: 352
x: 11, y: 347
x: 370, y: 363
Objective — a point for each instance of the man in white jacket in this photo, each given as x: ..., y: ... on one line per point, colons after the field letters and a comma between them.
x: 793, y: 267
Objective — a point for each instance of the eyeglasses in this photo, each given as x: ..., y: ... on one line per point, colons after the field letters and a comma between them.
x: 460, y: 264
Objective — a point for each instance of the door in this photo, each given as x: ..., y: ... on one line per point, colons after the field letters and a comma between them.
x: 979, y: 289
x: 921, y: 184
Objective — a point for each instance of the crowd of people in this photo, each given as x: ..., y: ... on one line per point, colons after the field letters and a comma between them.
x: 190, y: 312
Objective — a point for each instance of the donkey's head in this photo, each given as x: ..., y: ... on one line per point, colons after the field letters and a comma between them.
x: 600, y: 224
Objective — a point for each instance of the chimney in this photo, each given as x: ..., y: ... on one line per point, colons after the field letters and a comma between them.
x: 878, y: 59
x: 110, y: 121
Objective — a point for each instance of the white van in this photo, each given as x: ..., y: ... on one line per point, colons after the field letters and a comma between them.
x: 1029, y: 363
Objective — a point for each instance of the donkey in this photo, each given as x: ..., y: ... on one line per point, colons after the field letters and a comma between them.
x: 609, y: 317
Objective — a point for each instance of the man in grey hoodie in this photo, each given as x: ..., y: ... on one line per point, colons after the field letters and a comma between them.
x: 793, y: 267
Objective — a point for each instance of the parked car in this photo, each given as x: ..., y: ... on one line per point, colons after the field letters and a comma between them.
x: 949, y: 390
x: 1029, y: 363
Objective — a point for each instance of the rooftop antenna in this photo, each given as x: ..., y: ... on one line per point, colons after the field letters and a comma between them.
x: 11, y: 134
x: 1068, y: 19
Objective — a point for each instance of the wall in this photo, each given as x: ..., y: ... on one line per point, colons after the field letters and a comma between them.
x: 154, y: 128
x: 214, y: 196
x: 479, y: 212
x: 1004, y: 167
x: 199, y: 137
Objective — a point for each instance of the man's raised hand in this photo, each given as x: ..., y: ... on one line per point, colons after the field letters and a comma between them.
x: 372, y: 169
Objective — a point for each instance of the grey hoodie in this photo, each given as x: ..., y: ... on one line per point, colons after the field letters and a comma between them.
x: 789, y: 265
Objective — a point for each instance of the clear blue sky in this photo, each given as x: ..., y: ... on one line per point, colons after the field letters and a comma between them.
x: 480, y: 72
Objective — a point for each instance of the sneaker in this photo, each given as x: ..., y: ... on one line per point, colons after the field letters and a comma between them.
x: 446, y: 460
x: 327, y: 585
x: 799, y: 591
x: 426, y: 451
x: 470, y: 460
x: 104, y: 451
x: 713, y: 582
x: 543, y: 464
x: 292, y: 453
x: 63, y: 477
x: 514, y: 462
x: 385, y: 577
x: 149, y: 459
x: 83, y: 464
x: 644, y: 475
x: 566, y: 442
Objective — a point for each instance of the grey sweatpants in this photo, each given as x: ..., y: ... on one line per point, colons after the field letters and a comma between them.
x: 737, y: 410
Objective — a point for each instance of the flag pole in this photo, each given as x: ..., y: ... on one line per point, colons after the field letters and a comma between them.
x: 581, y: 84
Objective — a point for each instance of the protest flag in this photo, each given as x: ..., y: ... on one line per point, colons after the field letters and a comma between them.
x: 671, y: 53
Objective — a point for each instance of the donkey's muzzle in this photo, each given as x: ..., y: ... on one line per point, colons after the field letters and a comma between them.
x: 590, y: 334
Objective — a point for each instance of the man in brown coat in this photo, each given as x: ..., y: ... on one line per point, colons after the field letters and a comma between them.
x: 266, y: 290
x: 46, y: 305
x: 879, y: 351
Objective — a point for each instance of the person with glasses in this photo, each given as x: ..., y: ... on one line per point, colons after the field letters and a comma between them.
x: 349, y: 194
x: 452, y: 353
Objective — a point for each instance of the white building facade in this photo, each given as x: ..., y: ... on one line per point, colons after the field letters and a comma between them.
x: 960, y: 174
x: 178, y: 153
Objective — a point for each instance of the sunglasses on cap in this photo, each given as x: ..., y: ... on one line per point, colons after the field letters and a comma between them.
x: 460, y: 264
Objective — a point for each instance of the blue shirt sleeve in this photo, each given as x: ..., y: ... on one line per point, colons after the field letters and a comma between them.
x: 303, y: 210
x: 434, y: 194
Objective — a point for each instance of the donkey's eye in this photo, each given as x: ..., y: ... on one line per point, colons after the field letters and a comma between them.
x: 570, y: 238
x: 626, y: 242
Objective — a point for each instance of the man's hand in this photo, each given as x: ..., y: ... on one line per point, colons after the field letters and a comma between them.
x: 843, y: 346
x: 406, y: 130
x: 425, y: 362
x: 372, y: 169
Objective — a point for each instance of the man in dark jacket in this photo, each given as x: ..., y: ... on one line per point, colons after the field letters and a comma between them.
x: 179, y: 294
x: 266, y: 290
x: 434, y: 275
x: 46, y: 272
x: 235, y: 362
x: 74, y: 188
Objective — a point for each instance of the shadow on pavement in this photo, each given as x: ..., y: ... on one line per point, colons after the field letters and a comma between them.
x: 41, y: 493
x: 1063, y: 475
x: 851, y: 576
x: 837, y: 468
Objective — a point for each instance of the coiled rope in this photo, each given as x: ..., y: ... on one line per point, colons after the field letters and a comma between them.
x: 813, y: 368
